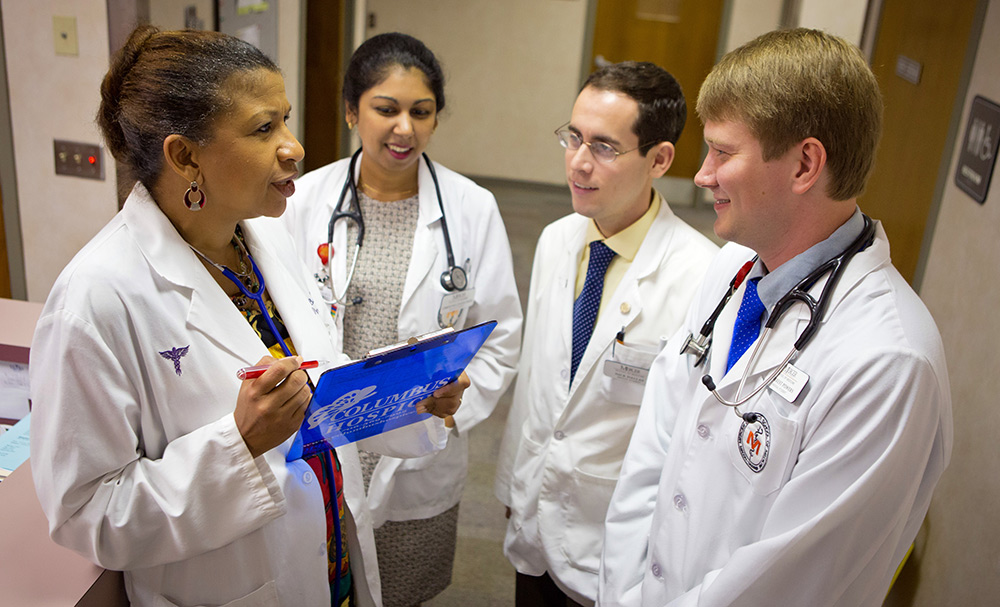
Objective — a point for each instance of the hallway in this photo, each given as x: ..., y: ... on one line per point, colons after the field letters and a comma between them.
x: 482, y: 576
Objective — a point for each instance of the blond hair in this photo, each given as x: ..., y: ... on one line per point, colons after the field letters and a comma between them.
x: 788, y: 85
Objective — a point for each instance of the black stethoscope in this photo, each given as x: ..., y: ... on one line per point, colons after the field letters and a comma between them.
x: 452, y: 279
x: 700, y: 345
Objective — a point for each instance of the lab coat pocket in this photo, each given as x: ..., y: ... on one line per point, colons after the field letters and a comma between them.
x: 265, y: 596
x: 585, y: 508
x: 624, y: 373
x: 526, y: 478
x: 763, y: 451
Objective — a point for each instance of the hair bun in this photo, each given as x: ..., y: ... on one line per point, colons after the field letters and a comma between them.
x: 109, y: 113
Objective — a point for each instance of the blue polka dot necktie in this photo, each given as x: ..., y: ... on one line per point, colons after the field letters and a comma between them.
x: 747, y: 323
x: 586, y: 305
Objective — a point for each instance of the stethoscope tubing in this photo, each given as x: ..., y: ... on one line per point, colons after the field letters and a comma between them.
x: 799, y: 293
x: 258, y: 297
x: 450, y: 279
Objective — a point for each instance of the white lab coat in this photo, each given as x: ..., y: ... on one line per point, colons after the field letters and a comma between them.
x: 563, y: 446
x: 424, y: 487
x: 851, y: 463
x: 139, y: 465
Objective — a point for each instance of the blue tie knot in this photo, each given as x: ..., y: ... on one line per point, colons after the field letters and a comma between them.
x: 747, y: 325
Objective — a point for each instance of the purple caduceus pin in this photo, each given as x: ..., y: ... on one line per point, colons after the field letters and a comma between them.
x: 175, y: 355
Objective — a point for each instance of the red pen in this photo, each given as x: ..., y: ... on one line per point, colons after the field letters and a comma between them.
x: 257, y: 371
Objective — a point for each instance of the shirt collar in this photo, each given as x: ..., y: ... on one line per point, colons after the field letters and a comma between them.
x: 783, y: 279
x: 626, y: 243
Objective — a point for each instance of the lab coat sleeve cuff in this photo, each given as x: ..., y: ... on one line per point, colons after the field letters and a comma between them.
x: 258, y: 470
x: 415, y: 440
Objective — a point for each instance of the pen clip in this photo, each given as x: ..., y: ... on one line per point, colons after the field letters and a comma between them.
x: 619, y: 339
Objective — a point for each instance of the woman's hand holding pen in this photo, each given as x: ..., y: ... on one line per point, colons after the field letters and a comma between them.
x: 446, y: 400
x: 271, y: 407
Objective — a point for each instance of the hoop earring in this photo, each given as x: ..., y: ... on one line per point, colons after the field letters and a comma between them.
x: 194, y: 205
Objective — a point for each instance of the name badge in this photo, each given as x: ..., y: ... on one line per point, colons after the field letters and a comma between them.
x: 454, y: 305
x: 617, y: 370
x: 789, y: 383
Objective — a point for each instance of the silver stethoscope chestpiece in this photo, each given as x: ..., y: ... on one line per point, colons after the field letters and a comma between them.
x: 454, y: 279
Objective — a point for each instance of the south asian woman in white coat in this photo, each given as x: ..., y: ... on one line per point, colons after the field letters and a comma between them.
x: 148, y: 454
x: 393, y: 92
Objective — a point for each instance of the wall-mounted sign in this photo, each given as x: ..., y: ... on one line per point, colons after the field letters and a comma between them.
x: 908, y: 69
x: 979, y: 149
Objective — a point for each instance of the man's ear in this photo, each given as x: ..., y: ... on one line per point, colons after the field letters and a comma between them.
x: 181, y: 155
x: 663, y: 156
x: 810, y: 160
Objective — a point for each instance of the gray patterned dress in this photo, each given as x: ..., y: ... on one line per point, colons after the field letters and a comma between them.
x: 415, y: 557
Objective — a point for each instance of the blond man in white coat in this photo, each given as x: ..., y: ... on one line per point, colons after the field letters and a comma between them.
x: 573, y: 411
x: 813, y: 490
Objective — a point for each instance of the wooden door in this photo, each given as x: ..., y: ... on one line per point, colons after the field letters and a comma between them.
x: 679, y: 35
x: 933, y: 36
x: 324, y: 75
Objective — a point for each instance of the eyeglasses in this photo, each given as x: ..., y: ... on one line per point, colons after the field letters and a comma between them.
x: 603, y: 152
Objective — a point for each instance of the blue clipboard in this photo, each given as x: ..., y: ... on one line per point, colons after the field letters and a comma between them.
x: 379, y: 392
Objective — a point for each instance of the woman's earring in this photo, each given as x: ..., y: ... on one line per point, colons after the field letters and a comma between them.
x: 350, y: 125
x: 194, y: 205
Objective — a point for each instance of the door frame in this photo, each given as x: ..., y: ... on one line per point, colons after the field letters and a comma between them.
x: 14, y: 253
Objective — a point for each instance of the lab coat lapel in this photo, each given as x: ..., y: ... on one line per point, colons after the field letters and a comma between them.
x: 298, y: 307
x: 626, y: 303
x: 795, y: 319
x: 428, y: 239
x: 343, y: 252
x: 564, y: 292
x: 168, y: 255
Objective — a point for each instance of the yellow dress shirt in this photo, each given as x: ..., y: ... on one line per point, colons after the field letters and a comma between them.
x: 625, y: 244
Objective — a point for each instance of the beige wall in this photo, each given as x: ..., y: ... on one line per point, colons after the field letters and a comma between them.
x: 55, y: 97
x: 959, y: 547
x: 513, y: 72
x: 748, y: 19
x: 845, y: 18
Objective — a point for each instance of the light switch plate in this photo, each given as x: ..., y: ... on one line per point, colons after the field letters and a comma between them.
x: 64, y: 35
x: 79, y: 159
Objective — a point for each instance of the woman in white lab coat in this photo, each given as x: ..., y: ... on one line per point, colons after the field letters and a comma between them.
x: 393, y: 92
x: 149, y: 455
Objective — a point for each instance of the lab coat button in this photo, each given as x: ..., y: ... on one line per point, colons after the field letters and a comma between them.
x: 703, y: 431
x: 655, y: 569
x: 564, y: 374
x: 559, y: 435
x: 680, y: 503
x: 307, y: 477
x: 625, y: 307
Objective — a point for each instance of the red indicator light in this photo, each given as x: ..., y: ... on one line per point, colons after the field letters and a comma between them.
x: 92, y: 159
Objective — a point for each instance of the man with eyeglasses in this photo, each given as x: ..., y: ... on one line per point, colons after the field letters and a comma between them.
x: 607, y: 283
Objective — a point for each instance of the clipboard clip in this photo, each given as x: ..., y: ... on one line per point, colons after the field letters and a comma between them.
x: 405, y: 348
